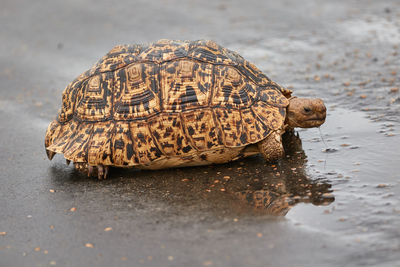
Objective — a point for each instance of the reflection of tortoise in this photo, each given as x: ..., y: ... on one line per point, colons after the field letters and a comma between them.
x: 174, y: 103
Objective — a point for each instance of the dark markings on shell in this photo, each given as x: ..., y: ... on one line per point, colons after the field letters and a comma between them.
x: 141, y: 103
x: 190, y: 130
x: 129, y: 151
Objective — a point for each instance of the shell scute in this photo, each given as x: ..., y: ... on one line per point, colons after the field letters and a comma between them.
x: 255, y: 130
x: 273, y: 97
x: 99, y: 150
x: 66, y: 131
x: 78, y: 143
x: 209, y: 51
x: 118, y: 57
x: 169, y: 135
x: 95, y: 103
x: 201, y: 129
x: 253, y: 73
x: 122, y: 145
x: 144, y: 145
x: 185, y: 84
x: 164, y: 50
x: 136, y: 92
x: 231, y: 125
x: 269, y: 115
x: 232, y: 90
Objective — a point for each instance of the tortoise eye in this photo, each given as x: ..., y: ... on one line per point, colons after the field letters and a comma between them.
x: 307, y: 109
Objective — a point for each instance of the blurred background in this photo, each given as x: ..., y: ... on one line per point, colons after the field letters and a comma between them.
x: 333, y: 201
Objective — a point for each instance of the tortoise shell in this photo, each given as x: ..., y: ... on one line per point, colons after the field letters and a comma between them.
x: 171, y: 102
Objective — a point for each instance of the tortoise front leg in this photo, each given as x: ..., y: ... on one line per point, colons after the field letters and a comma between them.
x: 91, y: 170
x: 271, y: 147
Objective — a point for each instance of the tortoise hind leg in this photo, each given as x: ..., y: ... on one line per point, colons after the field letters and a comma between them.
x: 91, y: 170
x: 271, y: 147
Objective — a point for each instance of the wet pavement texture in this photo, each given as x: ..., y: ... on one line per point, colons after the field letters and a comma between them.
x: 333, y: 201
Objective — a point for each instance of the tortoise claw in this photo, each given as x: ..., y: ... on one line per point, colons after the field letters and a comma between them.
x: 102, y: 172
x: 90, y: 170
x: 106, y: 172
x: 67, y: 161
x: 50, y: 154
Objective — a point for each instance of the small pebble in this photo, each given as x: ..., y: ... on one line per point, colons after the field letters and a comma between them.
x: 89, y: 245
x: 329, y: 150
x: 382, y: 185
x: 107, y: 229
x: 327, y: 195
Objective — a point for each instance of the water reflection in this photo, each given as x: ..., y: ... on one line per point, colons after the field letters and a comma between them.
x: 287, y: 184
x: 242, y: 187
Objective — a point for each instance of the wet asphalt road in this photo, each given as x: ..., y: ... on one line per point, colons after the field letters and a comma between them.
x: 333, y: 204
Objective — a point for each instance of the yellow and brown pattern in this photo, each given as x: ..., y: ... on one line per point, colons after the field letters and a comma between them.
x: 136, y: 91
x: 170, y: 103
x: 96, y: 101
x: 169, y: 134
x: 231, y: 89
x: 203, y: 132
x: 185, y: 84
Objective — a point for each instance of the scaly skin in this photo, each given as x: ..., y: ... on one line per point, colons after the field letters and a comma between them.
x: 101, y: 170
x: 301, y: 112
x: 271, y: 147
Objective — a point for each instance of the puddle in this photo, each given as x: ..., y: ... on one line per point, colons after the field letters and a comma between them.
x: 361, y: 161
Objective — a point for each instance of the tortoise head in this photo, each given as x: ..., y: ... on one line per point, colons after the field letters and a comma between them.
x: 305, y: 112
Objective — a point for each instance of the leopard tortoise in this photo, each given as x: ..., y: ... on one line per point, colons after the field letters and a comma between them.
x: 174, y: 104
